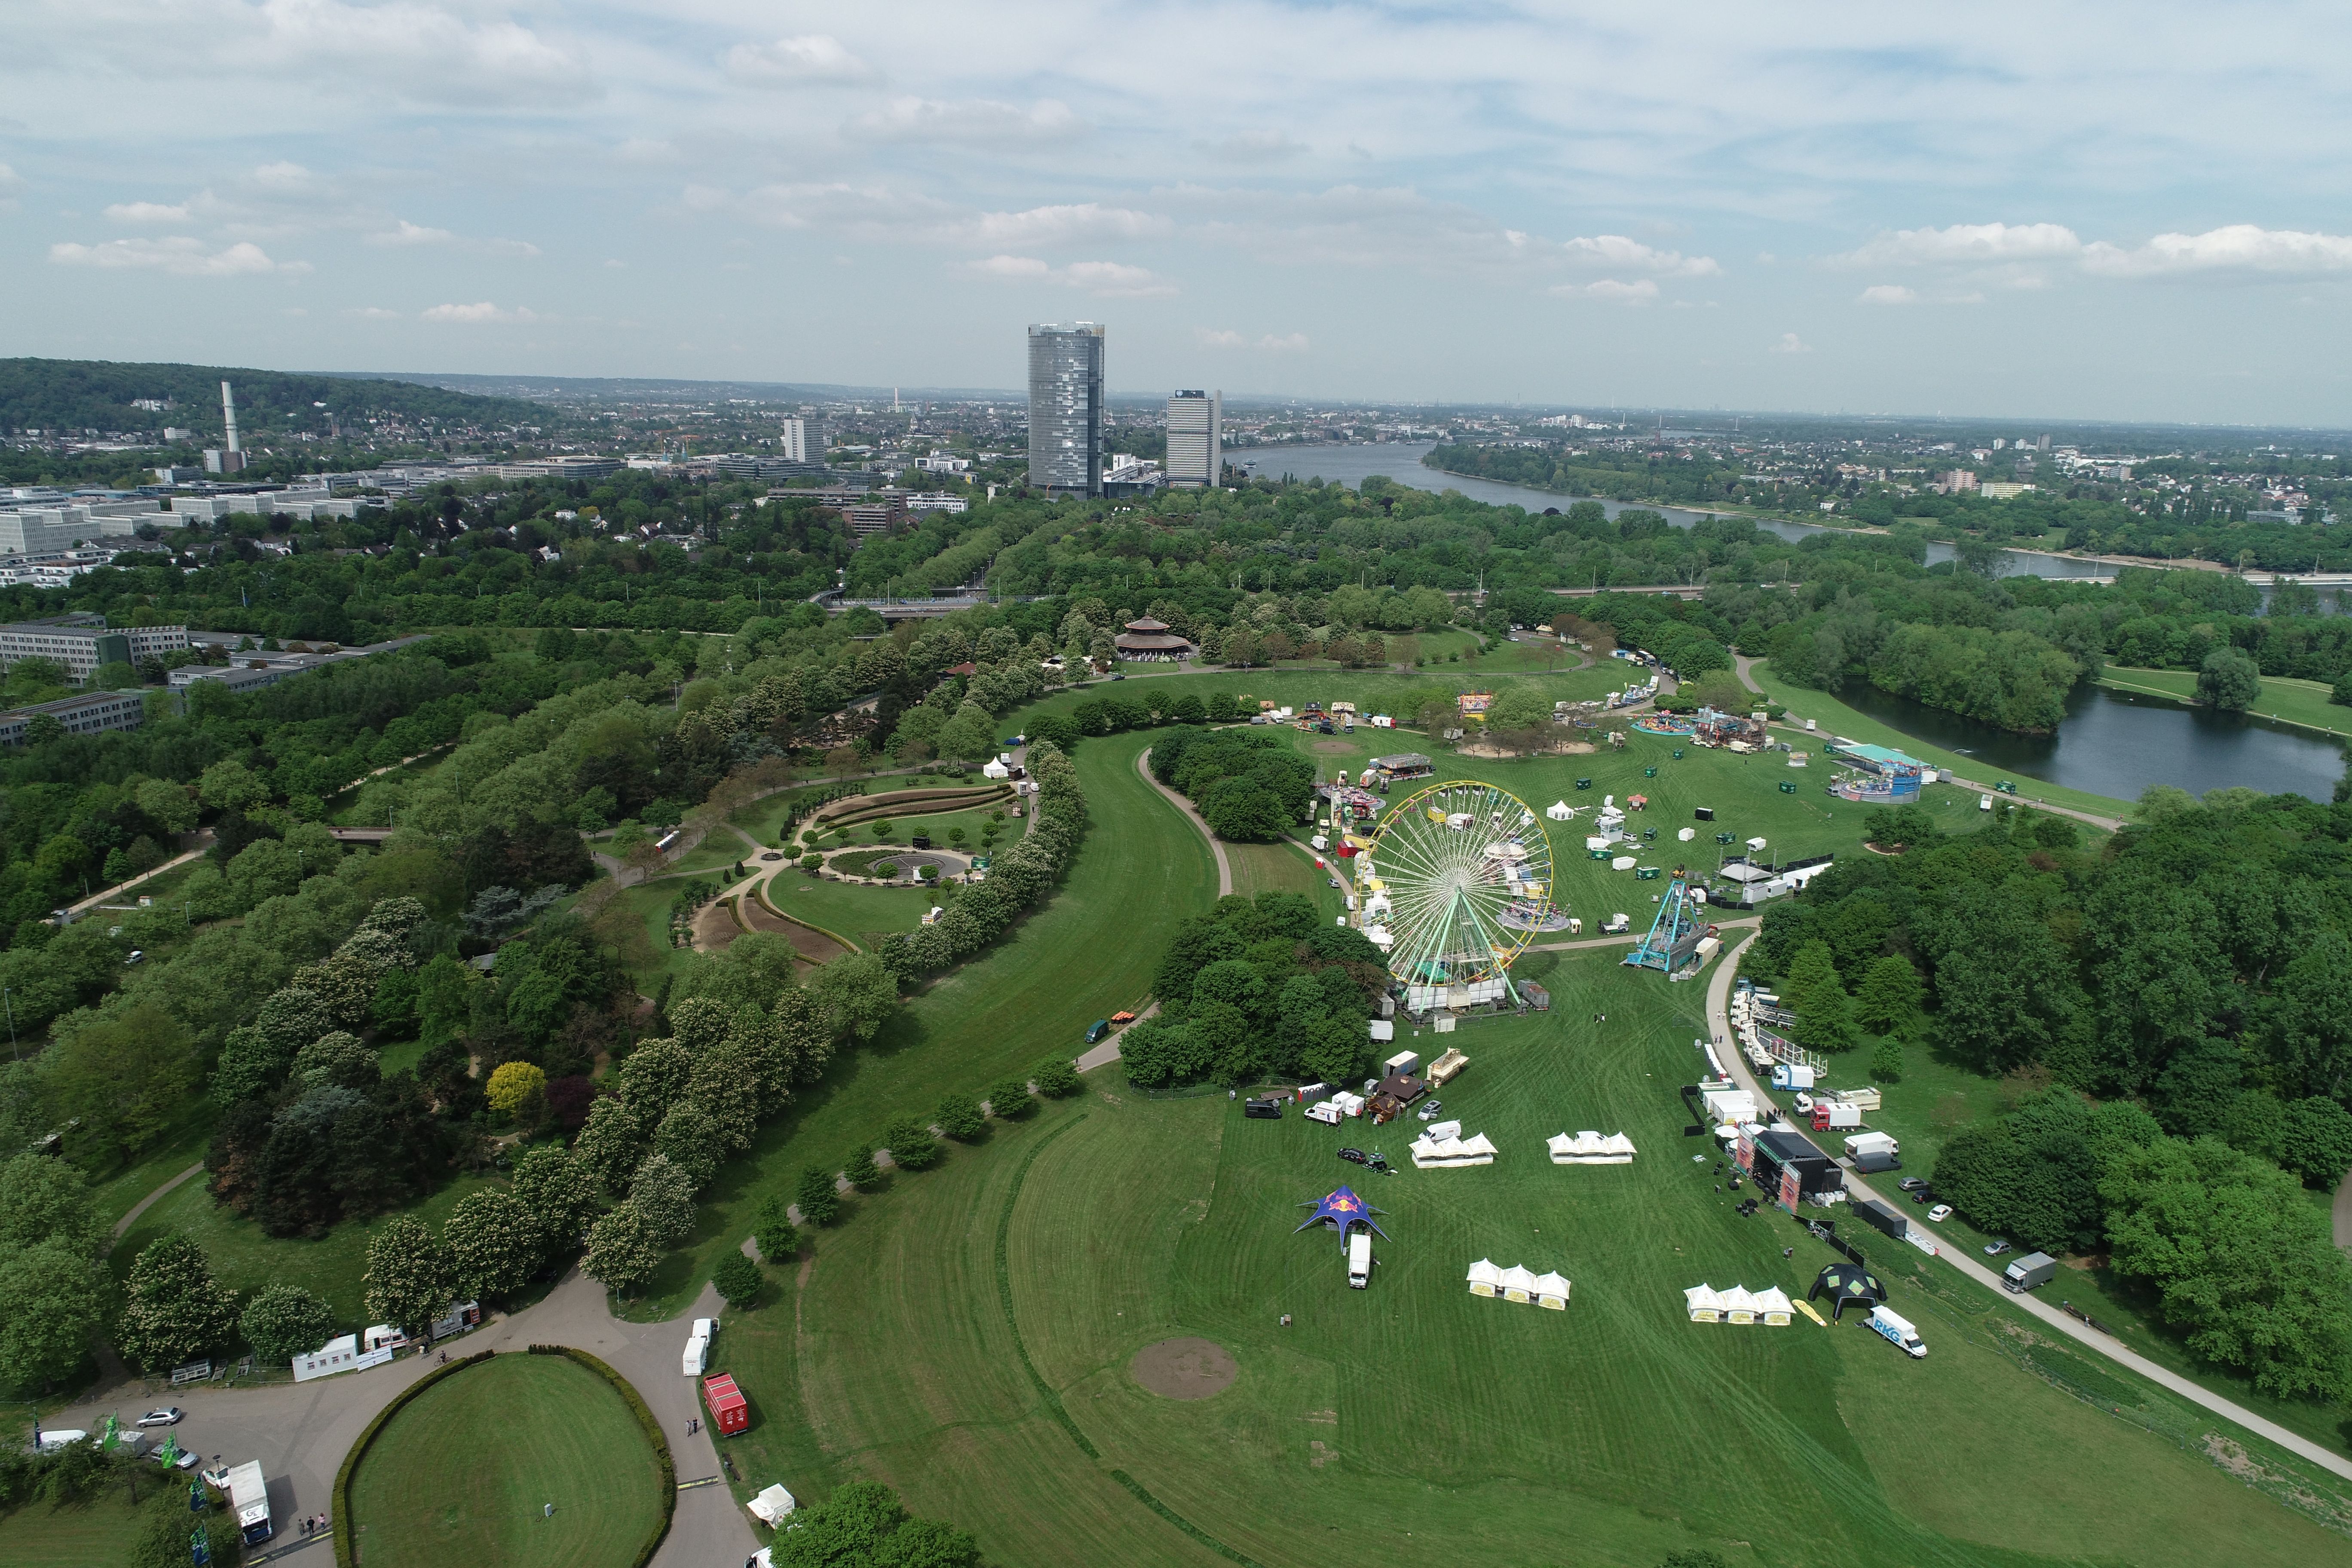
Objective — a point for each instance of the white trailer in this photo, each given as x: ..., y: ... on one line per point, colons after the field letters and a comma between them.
x: 698, y: 1355
x: 249, y: 1494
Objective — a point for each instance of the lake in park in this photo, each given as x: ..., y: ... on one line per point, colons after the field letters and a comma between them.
x: 2111, y: 743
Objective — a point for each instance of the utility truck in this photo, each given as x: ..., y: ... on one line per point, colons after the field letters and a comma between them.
x: 2033, y: 1268
x: 1360, y: 1258
x: 1897, y: 1332
x: 248, y: 1495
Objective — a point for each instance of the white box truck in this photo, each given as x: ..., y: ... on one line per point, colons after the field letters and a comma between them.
x: 249, y: 1494
x: 1897, y: 1330
x: 697, y: 1357
x: 1360, y: 1259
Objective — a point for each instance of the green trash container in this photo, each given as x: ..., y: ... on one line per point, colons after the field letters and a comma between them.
x: 1678, y: 753
x: 1584, y: 783
x: 1722, y: 838
x: 1596, y: 853
x: 1788, y: 786
x: 1653, y: 773
x: 1645, y: 873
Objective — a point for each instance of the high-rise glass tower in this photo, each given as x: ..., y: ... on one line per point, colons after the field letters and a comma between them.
x: 1196, y: 438
x: 1066, y: 408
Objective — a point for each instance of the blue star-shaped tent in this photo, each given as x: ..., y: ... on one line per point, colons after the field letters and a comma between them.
x: 1342, y: 1209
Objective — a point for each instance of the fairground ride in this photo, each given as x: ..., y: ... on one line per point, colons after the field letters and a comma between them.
x: 1456, y: 883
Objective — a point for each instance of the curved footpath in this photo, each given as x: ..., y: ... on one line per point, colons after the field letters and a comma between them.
x: 301, y: 1432
x: 1718, y: 1017
x: 1224, y: 867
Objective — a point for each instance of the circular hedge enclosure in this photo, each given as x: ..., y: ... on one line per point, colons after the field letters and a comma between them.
x: 462, y: 1472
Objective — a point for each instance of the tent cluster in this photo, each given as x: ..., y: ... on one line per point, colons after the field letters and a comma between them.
x: 1591, y: 1149
x: 1443, y: 1147
x: 1516, y: 1284
x: 1738, y: 1305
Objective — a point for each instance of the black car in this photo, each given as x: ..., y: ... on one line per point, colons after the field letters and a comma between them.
x: 1265, y: 1109
x: 1354, y: 1156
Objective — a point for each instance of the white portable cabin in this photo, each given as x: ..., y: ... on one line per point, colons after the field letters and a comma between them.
x: 773, y: 1506
x: 1486, y: 1279
x: 1730, y: 1104
x: 1382, y: 1029
x: 1551, y: 1291
x: 1404, y: 1061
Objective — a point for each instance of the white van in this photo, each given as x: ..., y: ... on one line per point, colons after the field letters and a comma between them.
x: 698, y: 1355
x: 1360, y: 1259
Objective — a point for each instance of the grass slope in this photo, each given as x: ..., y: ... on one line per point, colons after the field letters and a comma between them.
x: 2304, y: 703
x: 75, y: 1535
x: 461, y: 1473
x: 1089, y: 952
x: 1609, y: 1435
x: 1835, y: 718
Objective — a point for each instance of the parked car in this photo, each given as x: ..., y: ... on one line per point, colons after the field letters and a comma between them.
x: 1429, y: 1112
x: 184, y: 1460
x: 1995, y: 1248
x: 1912, y: 1184
x: 163, y: 1415
x: 1097, y: 1030
x: 1264, y: 1110
x: 136, y: 957
x: 1940, y: 1213
x: 1354, y: 1156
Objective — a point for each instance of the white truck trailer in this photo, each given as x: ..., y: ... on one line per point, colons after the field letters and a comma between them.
x: 1360, y: 1259
x: 249, y: 1494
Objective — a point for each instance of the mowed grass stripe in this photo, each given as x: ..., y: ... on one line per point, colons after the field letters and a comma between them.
x: 462, y: 1474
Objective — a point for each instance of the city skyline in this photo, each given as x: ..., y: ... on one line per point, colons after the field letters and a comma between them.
x: 2003, y: 215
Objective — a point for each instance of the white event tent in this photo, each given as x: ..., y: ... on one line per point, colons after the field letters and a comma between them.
x: 1485, y: 1278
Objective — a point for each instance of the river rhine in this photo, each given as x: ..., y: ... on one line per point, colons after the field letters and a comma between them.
x: 2110, y: 742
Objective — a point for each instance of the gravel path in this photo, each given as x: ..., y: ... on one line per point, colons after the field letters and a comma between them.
x: 1224, y: 867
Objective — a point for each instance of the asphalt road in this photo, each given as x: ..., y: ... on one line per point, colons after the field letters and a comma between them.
x: 1718, y: 1017
x: 301, y: 1432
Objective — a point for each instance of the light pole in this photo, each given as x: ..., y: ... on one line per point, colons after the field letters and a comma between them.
x: 11, y: 1007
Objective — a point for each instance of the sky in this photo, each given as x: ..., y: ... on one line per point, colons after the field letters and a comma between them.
x: 2095, y: 211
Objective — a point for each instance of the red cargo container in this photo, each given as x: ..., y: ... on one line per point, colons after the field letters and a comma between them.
x: 730, y: 1412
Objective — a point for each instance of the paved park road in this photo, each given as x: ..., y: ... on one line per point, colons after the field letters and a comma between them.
x: 1718, y: 1017
x: 301, y: 1432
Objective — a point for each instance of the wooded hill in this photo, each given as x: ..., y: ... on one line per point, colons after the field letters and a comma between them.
x: 98, y: 394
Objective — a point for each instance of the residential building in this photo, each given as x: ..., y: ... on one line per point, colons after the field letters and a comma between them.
x: 2001, y: 489
x: 874, y: 517
x: 1195, y: 438
x: 1066, y: 408
x: 922, y: 501
x: 84, y: 715
x: 81, y: 646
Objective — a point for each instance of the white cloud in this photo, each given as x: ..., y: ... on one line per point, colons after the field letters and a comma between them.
x: 148, y: 212
x: 485, y: 312
x: 1965, y: 244
x: 1103, y: 280
x: 979, y: 121
x: 1791, y: 344
x: 881, y: 213
x: 616, y: 264
x: 11, y: 183
x: 1225, y: 338
x: 408, y: 233
x: 1887, y: 294
x: 816, y: 57
x: 282, y: 176
x: 183, y: 255
x: 1616, y: 251
x: 1253, y: 147
x: 2242, y: 248
x: 373, y: 313
x: 1639, y: 291
x: 421, y: 50
x: 510, y: 248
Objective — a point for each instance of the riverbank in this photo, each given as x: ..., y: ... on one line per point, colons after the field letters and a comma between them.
x: 1835, y: 718
x: 2302, y: 703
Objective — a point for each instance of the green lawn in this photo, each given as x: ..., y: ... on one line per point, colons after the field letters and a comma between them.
x: 1836, y: 719
x: 182, y: 1146
x: 1609, y: 1435
x: 1085, y: 954
x: 2301, y: 702
x: 859, y: 915
x: 244, y: 1259
x: 101, y: 1529
x: 461, y: 1474
x: 938, y: 825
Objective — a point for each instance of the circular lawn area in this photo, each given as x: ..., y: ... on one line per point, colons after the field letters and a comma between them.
x: 463, y: 1473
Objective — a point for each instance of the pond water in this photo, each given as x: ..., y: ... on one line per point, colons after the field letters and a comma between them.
x: 2117, y: 744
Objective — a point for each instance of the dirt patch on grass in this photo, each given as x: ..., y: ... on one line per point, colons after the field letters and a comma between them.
x: 1335, y: 748
x: 1184, y: 1368
x: 813, y: 945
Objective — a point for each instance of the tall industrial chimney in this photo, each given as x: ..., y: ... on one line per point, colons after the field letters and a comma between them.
x: 229, y: 415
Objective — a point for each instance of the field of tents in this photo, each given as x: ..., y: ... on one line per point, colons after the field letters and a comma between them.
x: 970, y: 1339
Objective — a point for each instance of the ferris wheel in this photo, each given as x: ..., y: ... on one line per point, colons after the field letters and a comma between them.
x: 1456, y: 883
